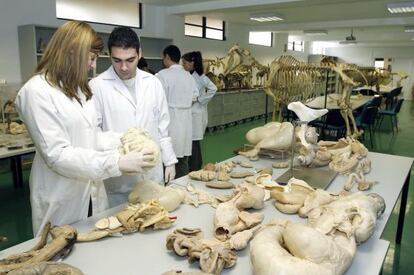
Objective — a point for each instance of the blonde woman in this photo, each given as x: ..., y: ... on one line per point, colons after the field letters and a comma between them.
x: 72, y: 156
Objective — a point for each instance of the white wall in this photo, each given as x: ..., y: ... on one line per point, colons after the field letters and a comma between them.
x: 403, y: 59
x: 156, y: 23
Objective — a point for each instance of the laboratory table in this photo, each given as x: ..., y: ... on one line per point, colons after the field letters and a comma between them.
x: 23, y: 145
x: 332, y: 102
x: 145, y: 253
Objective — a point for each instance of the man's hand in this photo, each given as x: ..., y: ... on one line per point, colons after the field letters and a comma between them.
x: 169, y: 174
x: 135, y: 162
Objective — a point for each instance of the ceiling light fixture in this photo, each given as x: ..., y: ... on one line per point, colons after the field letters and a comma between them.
x: 266, y: 17
x: 402, y: 7
x: 315, y: 32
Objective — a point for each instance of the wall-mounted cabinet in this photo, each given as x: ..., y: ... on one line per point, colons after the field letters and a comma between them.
x: 34, y: 38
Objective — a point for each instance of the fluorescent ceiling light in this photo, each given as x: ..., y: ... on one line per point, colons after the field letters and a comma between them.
x: 265, y: 17
x: 315, y: 32
x: 402, y: 7
x: 409, y: 29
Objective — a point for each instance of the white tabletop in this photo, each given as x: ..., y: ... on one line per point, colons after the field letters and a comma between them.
x: 23, y: 140
x: 145, y: 253
x: 332, y: 102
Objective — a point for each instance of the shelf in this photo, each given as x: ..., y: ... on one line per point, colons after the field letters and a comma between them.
x: 34, y: 37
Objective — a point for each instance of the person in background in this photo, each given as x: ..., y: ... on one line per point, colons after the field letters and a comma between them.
x: 125, y: 97
x: 193, y: 63
x: 143, y: 65
x: 180, y: 89
x: 72, y: 155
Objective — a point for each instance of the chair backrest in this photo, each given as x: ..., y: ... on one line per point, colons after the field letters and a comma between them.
x: 367, y: 92
x: 334, y: 118
x: 369, y: 114
x: 398, y: 91
x: 376, y: 101
x: 288, y: 114
x: 398, y: 105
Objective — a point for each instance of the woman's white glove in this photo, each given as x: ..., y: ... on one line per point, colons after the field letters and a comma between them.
x: 169, y: 174
x: 136, y: 162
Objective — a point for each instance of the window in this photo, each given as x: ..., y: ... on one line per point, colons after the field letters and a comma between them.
x: 261, y: 38
x: 297, y: 46
x: 319, y: 47
x: 123, y: 13
x: 379, y: 63
x: 203, y: 27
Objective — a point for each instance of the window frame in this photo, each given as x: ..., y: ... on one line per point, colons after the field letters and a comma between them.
x: 204, y: 28
x: 302, y: 44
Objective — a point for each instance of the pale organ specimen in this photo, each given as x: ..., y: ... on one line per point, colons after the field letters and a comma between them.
x: 138, y: 139
x: 168, y: 197
x: 230, y: 217
x: 63, y: 238
x: 325, y: 246
x: 47, y: 268
x: 213, y: 255
x: 132, y: 219
x: 271, y: 136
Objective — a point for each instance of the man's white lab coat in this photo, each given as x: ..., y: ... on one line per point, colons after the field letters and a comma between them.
x: 117, y: 111
x: 180, y: 89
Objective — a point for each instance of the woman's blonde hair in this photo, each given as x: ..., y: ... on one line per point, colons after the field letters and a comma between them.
x: 65, y: 61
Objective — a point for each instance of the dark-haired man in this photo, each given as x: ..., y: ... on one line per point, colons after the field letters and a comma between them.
x: 180, y: 90
x: 128, y: 97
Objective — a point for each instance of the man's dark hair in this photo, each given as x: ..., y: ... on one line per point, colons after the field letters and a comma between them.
x: 173, y: 52
x: 123, y: 37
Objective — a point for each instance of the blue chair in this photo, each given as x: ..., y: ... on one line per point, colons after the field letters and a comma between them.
x: 334, y: 125
x: 390, y: 98
x: 287, y: 114
x: 367, y: 121
x: 368, y: 92
x: 392, y: 114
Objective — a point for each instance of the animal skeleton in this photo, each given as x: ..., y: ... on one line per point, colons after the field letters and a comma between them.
x: 290, y: 80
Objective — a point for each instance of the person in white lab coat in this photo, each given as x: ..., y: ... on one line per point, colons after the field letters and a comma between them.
x: 180, y: 90
x: 193, y: 63
x: 72, y: 155
x: 128, y: 97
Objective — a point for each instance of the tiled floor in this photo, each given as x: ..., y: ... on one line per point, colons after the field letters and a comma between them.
x: 15, y: 220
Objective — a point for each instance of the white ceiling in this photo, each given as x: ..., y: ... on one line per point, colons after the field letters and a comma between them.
x: 370, y: 19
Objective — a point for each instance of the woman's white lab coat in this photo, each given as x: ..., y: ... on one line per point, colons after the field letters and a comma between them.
x: 67, y: 170
x: 207, y: 90
x: 180, y: 89
x: 117, y: 111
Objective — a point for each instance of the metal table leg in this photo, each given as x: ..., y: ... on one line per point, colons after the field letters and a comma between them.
x: 402, y: 209
x: 16, y: 169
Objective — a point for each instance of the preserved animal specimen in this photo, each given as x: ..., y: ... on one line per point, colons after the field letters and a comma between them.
x: 135, y: 140
x: 272, y: 136
x: 168, y: 197
x: 230, y: 217
x: 47, y: 268
x: 63, y: 238
x: 132, y: 219
x: 325, y: 246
